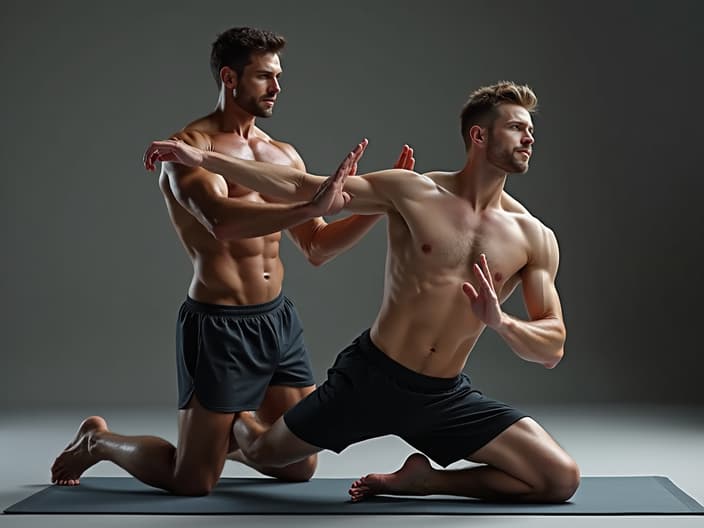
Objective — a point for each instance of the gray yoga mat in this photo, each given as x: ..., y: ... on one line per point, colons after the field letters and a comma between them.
x: 263, y: 496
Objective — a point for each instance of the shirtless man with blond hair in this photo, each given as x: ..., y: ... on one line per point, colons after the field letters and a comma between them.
x: 239, y: 341
x: 458, y: 247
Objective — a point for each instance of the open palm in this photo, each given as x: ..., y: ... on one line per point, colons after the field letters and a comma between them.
x: 484, y: 301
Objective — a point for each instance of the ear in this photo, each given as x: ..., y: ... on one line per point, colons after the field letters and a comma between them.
x: 478, y: 135
x: 228, y: 76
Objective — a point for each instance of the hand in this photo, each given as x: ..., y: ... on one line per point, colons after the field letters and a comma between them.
x: 172, y: 150
x: 330, y: 199
x: 485, y: 303
x: 405, y: 160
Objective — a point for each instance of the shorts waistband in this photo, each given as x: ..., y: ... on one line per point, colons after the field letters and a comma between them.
x: 243, y: 310
x: 404, y: 374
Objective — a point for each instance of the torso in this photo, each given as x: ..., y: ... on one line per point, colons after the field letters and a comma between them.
x: 426, y: 322
x: 231, y: 272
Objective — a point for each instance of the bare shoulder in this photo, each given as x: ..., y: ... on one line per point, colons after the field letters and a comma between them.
x: 510, y: 204
x: 198, y: 133
x: 540, y: 238
x: 291, y: 153
x: 443, y: 179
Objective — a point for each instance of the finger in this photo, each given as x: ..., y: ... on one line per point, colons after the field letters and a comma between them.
x: 411, y: 161
x: 148, y: 156
x: 359, y: 150
x: 342, y: 167
x: 154, y: 158
x: 404, y: 161
x: 353, y: 169
x: 469, y: 291
x: 484, y: 282
x: 151, y: 160
x: 401, y: 161
x: 485, y: 265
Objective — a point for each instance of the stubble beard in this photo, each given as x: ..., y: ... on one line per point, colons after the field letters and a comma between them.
x: 505, y: 159
x: 253, y: 106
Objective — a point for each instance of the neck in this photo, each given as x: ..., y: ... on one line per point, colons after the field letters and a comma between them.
x: 480, y: 183
x: 232, y: 118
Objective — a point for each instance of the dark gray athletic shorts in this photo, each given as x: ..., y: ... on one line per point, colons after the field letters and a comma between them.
x: 229, y: 355
x: 368, y: 394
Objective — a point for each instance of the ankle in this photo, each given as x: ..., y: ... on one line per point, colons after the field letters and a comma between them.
x: 93, y: 443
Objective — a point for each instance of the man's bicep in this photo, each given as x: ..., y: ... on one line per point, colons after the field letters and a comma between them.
x: 196, y: 190
x: 540, y: 294
x: 538, y: 280
x: 378, y: 191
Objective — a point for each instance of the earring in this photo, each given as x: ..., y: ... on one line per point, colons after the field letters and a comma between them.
x: 234, y: 93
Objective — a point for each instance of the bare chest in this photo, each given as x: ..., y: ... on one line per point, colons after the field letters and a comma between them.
x: 446, y: 239
x: 254, y: 149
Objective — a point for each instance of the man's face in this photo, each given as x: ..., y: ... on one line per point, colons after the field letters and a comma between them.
x: 259, y: 84
x: 510, y: 143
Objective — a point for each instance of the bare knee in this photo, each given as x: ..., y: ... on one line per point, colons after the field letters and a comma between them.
x: 302, y: 471
x: 192, y: 488
x: 560, y: 481
x: 262, y: 454
x: 192, y: 485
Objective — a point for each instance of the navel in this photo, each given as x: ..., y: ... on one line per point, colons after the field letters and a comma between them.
x: 267, y: 275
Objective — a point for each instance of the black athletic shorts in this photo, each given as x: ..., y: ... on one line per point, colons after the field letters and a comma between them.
x: 229, y: 355
x: 368, y: 394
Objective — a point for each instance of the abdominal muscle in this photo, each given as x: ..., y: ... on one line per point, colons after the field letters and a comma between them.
x: 228, y: 279
x: 228, y: 272
x: 429, y: 329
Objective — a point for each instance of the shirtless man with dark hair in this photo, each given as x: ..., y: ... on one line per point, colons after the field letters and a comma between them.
x: 458, y: 247
x: 239, y: 341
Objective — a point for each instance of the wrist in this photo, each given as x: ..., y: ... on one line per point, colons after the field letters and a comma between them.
x: 208, y: 161
x: 504, y: 324
x: 308, y: 210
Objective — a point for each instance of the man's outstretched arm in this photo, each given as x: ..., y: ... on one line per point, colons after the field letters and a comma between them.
x: 205, y: 196
x: 320, y: 241
x: 542, y: 338
x: 368, y: 193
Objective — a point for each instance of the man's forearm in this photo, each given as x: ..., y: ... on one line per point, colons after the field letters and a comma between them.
x: 258, y: 219
x: 541, y: 341
x: 279, y: 181
x: 337, y: 237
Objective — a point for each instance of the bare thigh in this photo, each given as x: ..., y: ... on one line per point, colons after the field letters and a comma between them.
x: 526, y: 451
x: 278, y: 399
x: 203, y: 439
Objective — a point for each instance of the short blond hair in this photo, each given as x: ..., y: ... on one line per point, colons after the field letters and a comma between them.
x: 480, y: 108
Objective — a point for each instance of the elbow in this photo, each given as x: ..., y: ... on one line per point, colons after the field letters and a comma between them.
x: 555, y: 359
x: 559, y: 353
x: 318, y: 259
x: 314, y: 252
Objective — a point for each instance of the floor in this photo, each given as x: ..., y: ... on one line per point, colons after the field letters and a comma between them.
x: 606, y: 440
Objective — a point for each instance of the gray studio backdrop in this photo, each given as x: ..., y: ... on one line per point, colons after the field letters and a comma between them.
x: 92, y: 273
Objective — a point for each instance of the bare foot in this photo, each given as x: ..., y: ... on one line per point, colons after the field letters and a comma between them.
x: 76, y: 458
x: 411, y: 479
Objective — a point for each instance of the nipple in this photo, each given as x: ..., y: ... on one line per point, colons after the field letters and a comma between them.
x: 426, y: 248
x: 498, y: 276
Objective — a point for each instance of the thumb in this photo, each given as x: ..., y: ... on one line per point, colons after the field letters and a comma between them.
x: 469, y: 291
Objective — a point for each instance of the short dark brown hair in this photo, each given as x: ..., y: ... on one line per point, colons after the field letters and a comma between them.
x: 480, y: 108
x: 234, y: 48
